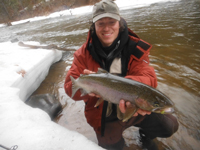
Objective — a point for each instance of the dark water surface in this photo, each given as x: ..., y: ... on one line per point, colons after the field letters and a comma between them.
x: 173, y: 28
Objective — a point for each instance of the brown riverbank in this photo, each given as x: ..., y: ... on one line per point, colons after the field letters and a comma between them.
x: 10, y: 13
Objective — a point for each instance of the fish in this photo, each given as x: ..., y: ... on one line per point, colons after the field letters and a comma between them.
x: 113, y: 88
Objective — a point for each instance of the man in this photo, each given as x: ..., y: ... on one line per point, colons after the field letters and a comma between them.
x: 111, y: 45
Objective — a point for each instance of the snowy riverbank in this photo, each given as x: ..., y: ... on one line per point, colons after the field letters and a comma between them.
x: 22, y: 125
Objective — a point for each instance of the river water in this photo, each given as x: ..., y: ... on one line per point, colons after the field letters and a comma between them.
x: 173, y: 28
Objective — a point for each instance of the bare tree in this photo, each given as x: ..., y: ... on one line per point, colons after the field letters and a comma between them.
x: 7, y: 13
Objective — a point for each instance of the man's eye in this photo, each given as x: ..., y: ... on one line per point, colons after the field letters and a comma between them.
x: 100, y: 24
x: 112, y: 22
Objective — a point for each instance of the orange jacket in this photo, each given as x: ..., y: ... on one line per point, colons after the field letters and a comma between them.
x: 138, y: 69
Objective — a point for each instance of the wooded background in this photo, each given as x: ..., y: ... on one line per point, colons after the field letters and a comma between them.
x: 13, y: 10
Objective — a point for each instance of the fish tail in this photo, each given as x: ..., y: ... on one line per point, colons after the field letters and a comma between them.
x: 74, y: 86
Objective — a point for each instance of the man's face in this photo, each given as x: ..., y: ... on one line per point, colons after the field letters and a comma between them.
x: 107, y: 30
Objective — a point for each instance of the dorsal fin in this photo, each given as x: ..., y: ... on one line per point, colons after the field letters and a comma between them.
x: 100, y: 70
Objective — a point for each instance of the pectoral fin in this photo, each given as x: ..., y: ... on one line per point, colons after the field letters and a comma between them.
x: 83, y: 92
x: 129, y: 113
x: 74, y: 86
x: 100, y: 100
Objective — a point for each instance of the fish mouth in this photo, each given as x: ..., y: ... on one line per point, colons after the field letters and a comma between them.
x: 167, y: 110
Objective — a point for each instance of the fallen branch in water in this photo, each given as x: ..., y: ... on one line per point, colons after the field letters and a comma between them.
x: 51, y: 46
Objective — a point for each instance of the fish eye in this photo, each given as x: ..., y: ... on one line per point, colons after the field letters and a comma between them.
x: 156, y: 104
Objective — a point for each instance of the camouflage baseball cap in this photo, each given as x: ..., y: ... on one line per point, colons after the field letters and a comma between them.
x: 105, y: 8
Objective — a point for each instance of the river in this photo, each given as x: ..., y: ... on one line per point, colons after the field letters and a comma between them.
x: 173, y: 28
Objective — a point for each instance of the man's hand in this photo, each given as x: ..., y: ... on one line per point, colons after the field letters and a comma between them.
x: 86, y: 71
x: 123, y: 105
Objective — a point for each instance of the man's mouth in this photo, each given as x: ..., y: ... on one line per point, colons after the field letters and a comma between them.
x: 108, y: 34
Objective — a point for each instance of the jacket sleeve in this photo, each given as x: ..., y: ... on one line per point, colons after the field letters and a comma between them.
x: 141, y: 71
x: 77, y: 67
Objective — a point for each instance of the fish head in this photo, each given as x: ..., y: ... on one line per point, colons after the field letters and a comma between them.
x: 156, y: 102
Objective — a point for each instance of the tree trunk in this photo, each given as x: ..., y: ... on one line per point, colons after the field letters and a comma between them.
x: 5, y: 9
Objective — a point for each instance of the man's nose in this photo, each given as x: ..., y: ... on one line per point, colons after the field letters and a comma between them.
x: 106, y: 26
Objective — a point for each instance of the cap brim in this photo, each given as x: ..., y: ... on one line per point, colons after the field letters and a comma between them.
x: 114, y: 16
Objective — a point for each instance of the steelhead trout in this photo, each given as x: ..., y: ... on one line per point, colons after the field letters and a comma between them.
x: 114, y: 88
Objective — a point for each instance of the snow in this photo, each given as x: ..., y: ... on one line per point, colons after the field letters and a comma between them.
x: 21, y: 72
x: 127, y: 4
x: 21, y: 124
